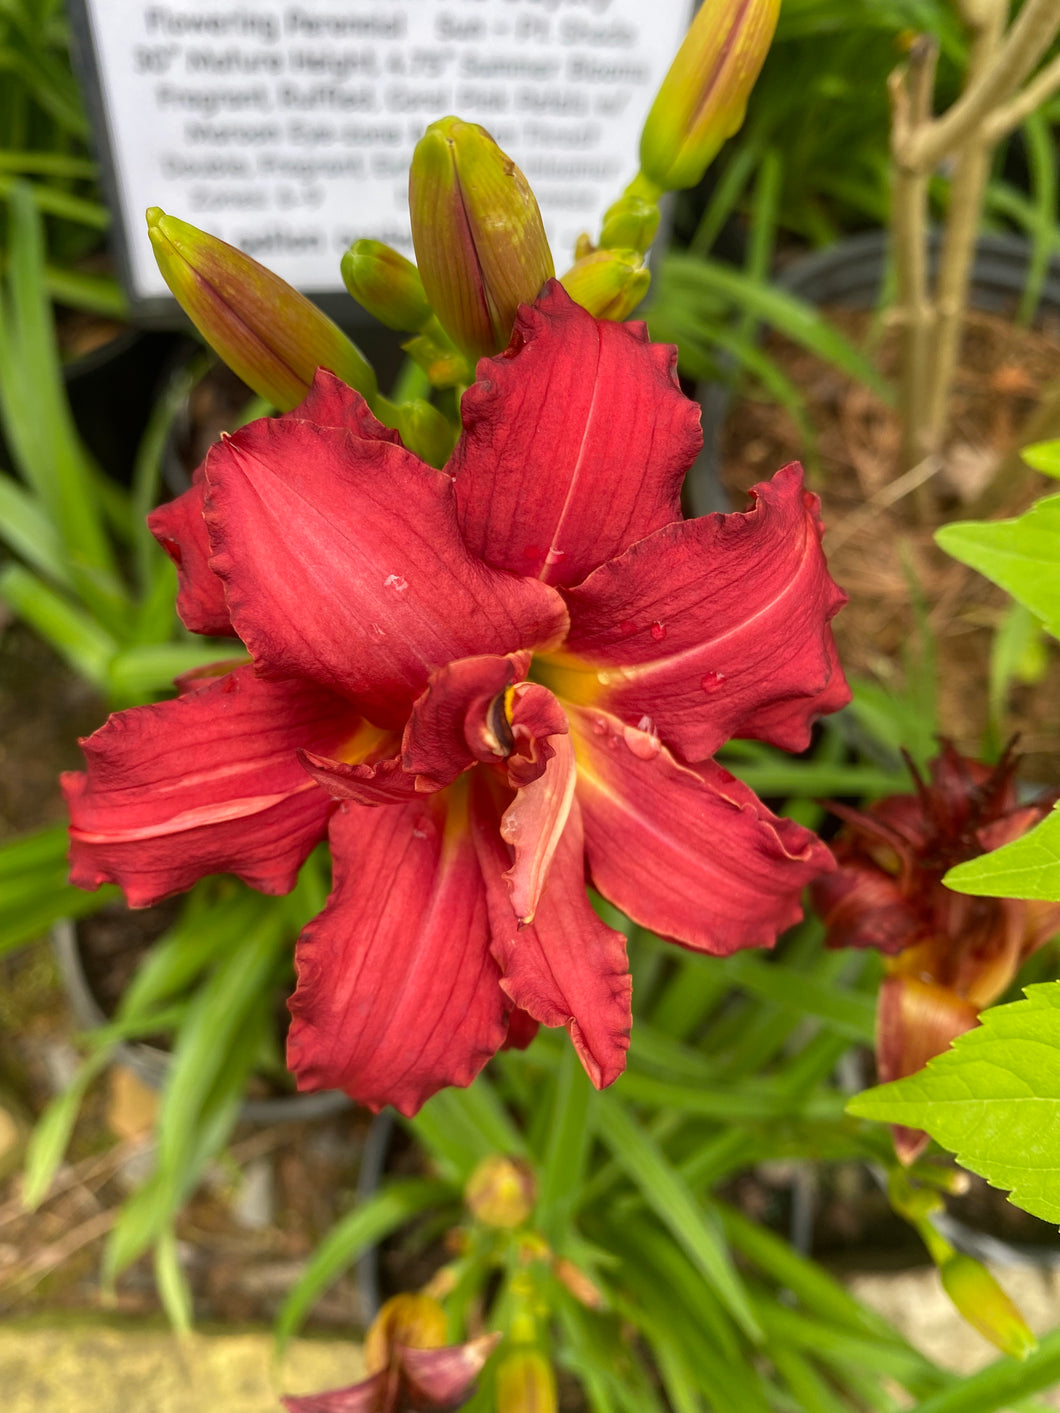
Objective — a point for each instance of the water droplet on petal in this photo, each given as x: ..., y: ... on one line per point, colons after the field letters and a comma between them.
x: 628, y: 628
x: 419, y: 834
x: 376, y: 633
x: 395, y: 582
x: 599, y: 725
x: 710, y: 681
x: 642, y: 741
x: 658, y: 631
x: 555, y: 555
x: 604, y: 678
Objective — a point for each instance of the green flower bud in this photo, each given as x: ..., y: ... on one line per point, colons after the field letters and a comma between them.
x: 501, y: 1192
x: 525, y: 1383
x: 425, y: 431
x: 444, y: 366
x: 267, y: 333
x: 609, y: 283
x: 630, y: 224
x: 480, y: 242
x: 382, y: 281
x: 703, y: 98
x: 986, y: 1307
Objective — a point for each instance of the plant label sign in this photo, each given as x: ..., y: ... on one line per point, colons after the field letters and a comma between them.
x: 287, y: 128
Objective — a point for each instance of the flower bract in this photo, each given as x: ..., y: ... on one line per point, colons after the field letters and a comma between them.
x: 485, y: 685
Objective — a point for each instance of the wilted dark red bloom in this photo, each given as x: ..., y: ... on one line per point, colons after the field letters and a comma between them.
x: 949, y: 955
x: 483, y: 684
x: 409, y: 1368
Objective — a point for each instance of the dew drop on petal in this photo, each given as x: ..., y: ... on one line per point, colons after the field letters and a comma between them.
x: 628, y: 628
x: 642, y: 741
x: 599, y: 725
x: 395, y: 582
x: 658, y: 631
x: 419, y: 834
x: 604, y: 678
x: 376, y: 633
x: 710, y: 681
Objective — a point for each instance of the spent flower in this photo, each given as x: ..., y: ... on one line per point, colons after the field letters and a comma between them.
x: 410, y: 1367
x: 947, y: 955
x: 484, y: 685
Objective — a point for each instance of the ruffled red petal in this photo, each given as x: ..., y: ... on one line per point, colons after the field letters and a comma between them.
x: 398, y: 995
x: 567, y: 967
x: 575, y: 443
x: 717, y: 627
x: 689, y: 852
x: 180, y: 529
x: 206, y: 783
x: 342, y: 563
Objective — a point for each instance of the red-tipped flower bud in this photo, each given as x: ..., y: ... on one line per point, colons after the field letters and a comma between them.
x: 382, y: 281
x: 267, y: 333
x: 501, y: 1192
x: 703, y: 98
x: 986, y: 1307
x: 609, y: 283
x: 480, y: 243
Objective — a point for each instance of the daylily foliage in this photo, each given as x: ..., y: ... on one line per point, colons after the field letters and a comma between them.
x: 484, y: 685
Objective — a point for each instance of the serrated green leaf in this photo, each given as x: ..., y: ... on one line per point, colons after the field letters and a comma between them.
x: 1043, y: 457
x: 1022, y: 555
x: 993, y: 1099
x: 1026, y: 868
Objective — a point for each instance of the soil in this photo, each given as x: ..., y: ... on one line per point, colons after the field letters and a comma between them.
x: 875, y: 551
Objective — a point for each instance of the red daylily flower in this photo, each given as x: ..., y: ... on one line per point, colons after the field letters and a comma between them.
x: 947, y: 955
x: 483, y: 684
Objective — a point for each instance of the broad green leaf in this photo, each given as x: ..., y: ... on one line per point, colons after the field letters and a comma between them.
x: 1043, y: 457
x: 993, y: 1099
x: 1026, y: 868
x: 1022, y: 555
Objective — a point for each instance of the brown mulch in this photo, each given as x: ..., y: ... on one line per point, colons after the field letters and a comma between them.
x: 876, y: 550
